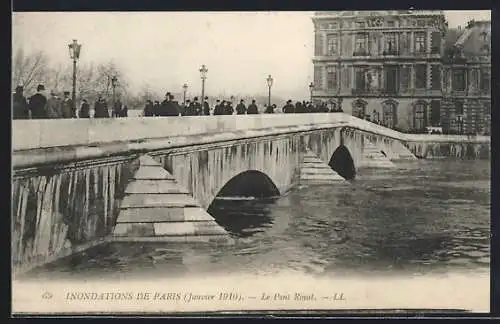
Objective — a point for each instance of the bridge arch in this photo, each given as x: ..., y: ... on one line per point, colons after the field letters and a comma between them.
x: 342, y: 162
x: 249, y: 183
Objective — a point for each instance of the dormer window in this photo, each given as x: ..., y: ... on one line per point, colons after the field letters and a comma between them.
x: 485, y: 49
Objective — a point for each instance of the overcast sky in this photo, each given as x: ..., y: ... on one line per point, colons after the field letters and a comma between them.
x: 166, y: 49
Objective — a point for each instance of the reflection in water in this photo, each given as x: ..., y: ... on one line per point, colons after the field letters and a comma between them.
x: 420, y: 217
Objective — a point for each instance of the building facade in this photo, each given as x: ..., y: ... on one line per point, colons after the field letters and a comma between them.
x: 404, y: 69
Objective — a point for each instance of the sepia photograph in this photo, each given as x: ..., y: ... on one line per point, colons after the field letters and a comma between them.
x: 226, y: 162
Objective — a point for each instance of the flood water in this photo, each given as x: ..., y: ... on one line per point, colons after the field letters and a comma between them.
x: 421, y: 217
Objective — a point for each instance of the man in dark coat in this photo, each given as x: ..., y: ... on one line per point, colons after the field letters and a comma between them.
x: 168, y: 107
x: 156, y: 108
x: 206, y: 107
x: 219, y: 108
x: 20, y: 105
x: 67, y: 106
x: 148, y: 109
x: 37, y: 103
x: 84, y: 109
x: 288, y: 108
x: 186, y: 109
x: 252, y: 108
x: 228, y: 109
x: 196, y: 109
x: 100, y: 108
x: 269, y: 110
x: 240, y: 108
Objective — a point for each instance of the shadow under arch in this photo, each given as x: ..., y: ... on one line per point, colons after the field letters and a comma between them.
x: 342, y: 163
x: 242, y: 205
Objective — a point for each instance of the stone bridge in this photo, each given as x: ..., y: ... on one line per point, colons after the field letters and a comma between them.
x: 78, y: 183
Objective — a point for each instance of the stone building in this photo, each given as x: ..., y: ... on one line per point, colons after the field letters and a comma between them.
x: 396, y: 67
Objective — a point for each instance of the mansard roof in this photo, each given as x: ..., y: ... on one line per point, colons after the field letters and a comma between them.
x: 472, y: 43
x: 476, y: 39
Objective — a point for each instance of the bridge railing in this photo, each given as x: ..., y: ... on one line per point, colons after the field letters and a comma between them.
x: 50, y: 133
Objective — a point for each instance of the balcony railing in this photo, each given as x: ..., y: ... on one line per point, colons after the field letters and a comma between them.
x: 361, y: 53
x: 390, y: 52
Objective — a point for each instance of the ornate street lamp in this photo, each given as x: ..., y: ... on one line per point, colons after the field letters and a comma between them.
x: 203, y: 74
x: 185, y: 88
x: 269, y: 84
x: 311, y: 88
x: 74, y: 54
x: 114, y: 83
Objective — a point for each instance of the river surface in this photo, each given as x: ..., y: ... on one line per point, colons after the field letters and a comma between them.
x: 421, y: 217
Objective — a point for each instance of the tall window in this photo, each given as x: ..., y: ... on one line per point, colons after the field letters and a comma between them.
x: 331, y: 77
x: 420, y: 76
x: 359, y: 109
x: 420, y: 43
x: 458, y: 79
x: 436, y: 77
x: 436, y: 42
x: 390, y: 43
x: 332, y: 45
x: 389, y: 114
x: 419, y: 115
x: 435, y: 113
x: 391, y: 78
x: 360, y: 75
x: 360, y: 44
x: 485, y: 80
x: 459, y: 107
x: 318, y: 77
x: 318, y: 44
x: 405, y: 78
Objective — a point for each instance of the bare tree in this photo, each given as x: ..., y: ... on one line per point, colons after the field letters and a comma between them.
x: 29, y: 69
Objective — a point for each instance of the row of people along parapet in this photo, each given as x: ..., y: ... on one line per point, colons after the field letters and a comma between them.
x: 170, y: 107
x: 52, y: 106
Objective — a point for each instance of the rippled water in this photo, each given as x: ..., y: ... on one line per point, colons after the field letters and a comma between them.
x: 421, y: 217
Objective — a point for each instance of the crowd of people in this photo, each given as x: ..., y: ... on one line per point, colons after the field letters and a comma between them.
x: 170, y: 107
x: 52, y: 106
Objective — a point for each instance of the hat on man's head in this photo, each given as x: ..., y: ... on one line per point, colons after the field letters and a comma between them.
x: 242, y: 100
x: 40, y: 87
x: 206, y: 98
x: 217, y: 100
x: 167, y: 94
x: 195, y: 98
x: 253, y: 101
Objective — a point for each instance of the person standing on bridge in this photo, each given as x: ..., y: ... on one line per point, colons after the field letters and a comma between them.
x: 229, y: 110
x: 20, y: 104
x: 67, y: 106
x: 38, y: 102
x: 100, y: 108
x: 288, y: 108
x: 240, y: 108
x: 148, y: 109
x: 252, y: 109
x: 84, y: 109
x: 54, y: 106
x: 206, y: 107
x: 156, y: 108
x: 269, y: 110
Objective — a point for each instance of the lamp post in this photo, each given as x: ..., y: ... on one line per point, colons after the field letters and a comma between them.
x: 185, y: 88
x: 114, y: 81
x: 74, y: 54
x: 203, y: 74
x: 269, y: 84
x: 311, y: 88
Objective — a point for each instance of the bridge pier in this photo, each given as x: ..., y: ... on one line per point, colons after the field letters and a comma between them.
x: 157, y: 208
